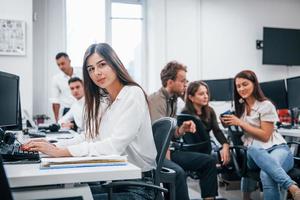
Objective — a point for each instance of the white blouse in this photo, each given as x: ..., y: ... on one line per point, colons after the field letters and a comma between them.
x: 262, y: 111
x: 125, y: 129
x: 60, y: 90
x: 75, y: 114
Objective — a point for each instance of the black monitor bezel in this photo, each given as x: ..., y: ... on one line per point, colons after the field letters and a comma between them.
x: 18, y: 114
x: 283, y: 83
x: 230, y: 86
x: 289, y: 98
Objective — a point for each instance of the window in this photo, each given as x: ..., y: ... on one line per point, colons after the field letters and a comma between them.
x: 127, y: 35
x: 117, y: 22
x: 85, y: 25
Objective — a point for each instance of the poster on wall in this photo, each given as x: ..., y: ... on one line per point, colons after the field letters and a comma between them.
x: 12, y: 37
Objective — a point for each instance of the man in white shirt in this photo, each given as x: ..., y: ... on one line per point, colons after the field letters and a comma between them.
x: 60, y: 92
x: 73, y: 118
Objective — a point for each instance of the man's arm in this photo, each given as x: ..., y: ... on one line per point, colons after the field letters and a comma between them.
x: 55, y: 108
x: 66, y: 120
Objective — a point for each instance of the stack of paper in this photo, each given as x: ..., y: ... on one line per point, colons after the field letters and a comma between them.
x: 72, y: 162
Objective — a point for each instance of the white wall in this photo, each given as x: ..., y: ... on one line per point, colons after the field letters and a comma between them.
x: 215, y: 39
x: 20, y: 65
x: 49, y: 38
x: 230, y: 29
x: 173, y: 34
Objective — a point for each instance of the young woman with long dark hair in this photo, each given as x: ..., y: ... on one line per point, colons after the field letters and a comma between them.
x: 112, y: 100
x: 197, y: 104
x: 267, y: 150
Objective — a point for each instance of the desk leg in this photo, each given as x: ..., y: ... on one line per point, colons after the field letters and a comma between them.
x: 82, y: 190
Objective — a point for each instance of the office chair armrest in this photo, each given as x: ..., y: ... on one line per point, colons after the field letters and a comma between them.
x: 293, y: 142
x: 296, y: 158
x: 167, y: 175
x: 116, y: 184
x: 241, y: 170
x: 190, y: 147
x: 181, y: 146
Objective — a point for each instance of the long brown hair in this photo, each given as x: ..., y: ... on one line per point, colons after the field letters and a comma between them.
x: 189, y: 106
x: 258, y: 94
x: 94, y: 95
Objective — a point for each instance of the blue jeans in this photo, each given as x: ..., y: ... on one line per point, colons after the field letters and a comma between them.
x: 274, y: 163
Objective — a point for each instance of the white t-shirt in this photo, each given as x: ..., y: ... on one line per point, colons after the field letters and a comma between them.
x: 180, y: 105
x: 125, y: 129
x: 75, y: 114
x: 60, y: 90
x: 262, y: 111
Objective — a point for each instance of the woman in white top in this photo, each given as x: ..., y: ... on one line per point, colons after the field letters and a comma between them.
x: 124, y: 128
x: 267, y: 150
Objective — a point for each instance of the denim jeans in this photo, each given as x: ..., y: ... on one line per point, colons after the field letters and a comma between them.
x: 274, y: 163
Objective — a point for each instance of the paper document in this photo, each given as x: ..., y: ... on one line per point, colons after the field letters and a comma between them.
x: 71, y: 162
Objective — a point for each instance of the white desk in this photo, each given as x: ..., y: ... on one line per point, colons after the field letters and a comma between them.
x: 30, y: 175
x: 289, y: 132
x: 28, y: 181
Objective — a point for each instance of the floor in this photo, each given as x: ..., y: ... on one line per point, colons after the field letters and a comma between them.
x: 224, y: 192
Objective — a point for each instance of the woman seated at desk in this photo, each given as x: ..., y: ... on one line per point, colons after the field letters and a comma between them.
x: 112, y: 100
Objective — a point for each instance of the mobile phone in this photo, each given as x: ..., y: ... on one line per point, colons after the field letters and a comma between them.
x: 228, y: 112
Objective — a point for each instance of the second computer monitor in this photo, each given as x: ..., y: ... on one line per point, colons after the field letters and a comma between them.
x: 293, y: 92
x: 220, y: 89
x: 276, y: 92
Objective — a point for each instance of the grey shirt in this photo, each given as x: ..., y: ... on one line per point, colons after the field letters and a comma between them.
x: 162, y: 104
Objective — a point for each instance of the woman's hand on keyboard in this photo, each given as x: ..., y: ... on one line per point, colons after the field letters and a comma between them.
x: 47, y: 148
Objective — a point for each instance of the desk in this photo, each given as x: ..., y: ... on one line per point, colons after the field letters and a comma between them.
x: 30, y: 175
x: 289, y: 132
x: 28, y: 181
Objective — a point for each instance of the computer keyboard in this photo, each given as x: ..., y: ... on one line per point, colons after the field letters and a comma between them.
x: 14, y: 154
x: 36, y: 133
x: 59, y: 132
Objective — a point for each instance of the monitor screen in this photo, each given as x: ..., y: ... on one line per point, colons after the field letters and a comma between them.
x: 9, y: 100
x: 293, y: 92
x: 220, y: 89
x: 276, y: 92
x: 281, y: 46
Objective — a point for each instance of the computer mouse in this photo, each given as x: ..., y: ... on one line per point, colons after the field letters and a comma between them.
x: 52, y: 141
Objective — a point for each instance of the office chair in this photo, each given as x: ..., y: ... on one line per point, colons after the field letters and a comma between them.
x: 163, y: 130
x: 4, y: 186
x: 197, y: 142
x: 239, y: 157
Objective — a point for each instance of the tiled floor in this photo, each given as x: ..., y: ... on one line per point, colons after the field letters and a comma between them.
x: 194, y: 192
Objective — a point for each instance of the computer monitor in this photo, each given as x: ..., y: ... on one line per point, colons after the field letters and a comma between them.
x: 220, y: 89
x: 293, y: 92
x: 10, y: 109
x: 276, y: 92
x: 281, y: 46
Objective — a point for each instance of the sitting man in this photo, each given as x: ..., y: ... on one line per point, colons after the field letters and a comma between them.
x: 163, y: 103
x: 73, y: 118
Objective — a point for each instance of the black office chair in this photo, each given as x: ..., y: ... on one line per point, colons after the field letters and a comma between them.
x: 239, y: 157
x: 4, y: 186
x: 239, y: 154
x: 163, y: 130
x: 197, y: 142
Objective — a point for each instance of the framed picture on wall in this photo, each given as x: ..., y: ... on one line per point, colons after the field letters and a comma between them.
x: 12, y: 37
